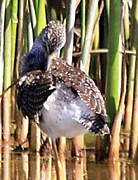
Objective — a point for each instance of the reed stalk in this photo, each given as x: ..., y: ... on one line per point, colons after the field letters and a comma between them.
x: 34, y: 166
x: 23, y: 123
x: 41, y: 16
x: 32, y: 14
x: 26, y: 24
x: 6, y: 168
x: 125, y: 42
x: 83, y: 4
x: 36, y: 2
x: 107, y: 4
x: 116, y: 128
x: 30, y: 30
x: 92, y: 9
x: 133, y: 83
x: 126, y: 21
x: 70, y: 20
x: 14, y: 32
x: 53, y: 8
x: 14, y: 21
x: 113, y: 75
x: 2, y: 21
x: 62, y: 149
x: 21, y: 127
x: 134, y: 125
x: 20, y: 32
x: 7, y: 74
x: 113, y: 71
x: 132, y: 62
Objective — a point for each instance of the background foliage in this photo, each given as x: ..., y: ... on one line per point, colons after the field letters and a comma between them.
x: 103, y: 41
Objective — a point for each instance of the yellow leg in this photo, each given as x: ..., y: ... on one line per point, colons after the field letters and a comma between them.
x: 59, y: 168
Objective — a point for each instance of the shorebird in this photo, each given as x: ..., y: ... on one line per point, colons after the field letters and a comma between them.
x: 62, y: 99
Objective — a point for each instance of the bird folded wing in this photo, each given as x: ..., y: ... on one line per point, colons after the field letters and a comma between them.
x: 81, y: 83
x: 32, y: 91
x: 34, y: 88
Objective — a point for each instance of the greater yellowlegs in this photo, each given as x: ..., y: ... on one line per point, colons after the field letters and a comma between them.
x: 62, y: 99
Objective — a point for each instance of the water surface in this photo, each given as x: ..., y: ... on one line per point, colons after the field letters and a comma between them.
x: 32, y: 166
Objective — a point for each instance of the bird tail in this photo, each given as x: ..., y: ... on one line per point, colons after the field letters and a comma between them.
x: 100, y: 125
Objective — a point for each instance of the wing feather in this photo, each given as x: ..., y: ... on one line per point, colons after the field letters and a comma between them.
x: 34, y: 88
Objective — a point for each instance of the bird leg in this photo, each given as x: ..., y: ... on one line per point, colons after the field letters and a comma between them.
x: 59, y: 168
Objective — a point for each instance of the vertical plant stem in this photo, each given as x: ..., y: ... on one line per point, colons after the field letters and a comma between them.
x: 2, y: 20
x: 132, y: 62
x: 20, y: 31
x: 92, y: 9
x: 130, y: 92
x: 34, y: 166
x: 82, y: 21
x: 107, y: 4
x: 23, y: 123
x: 13, y: 51
x: 36, y: 6
x: 32, y: 13
x: 20, y: 121
x: 26, y: 22
x: 115, y: 133
x: 126, y: 22
x: 52, y: 9
x: 71, y: 9
x: 62, y: 148
x: 30, y: 31
x: 14, y: 29
x: 113, y: 74
x: 134, y: 126
x: 41, y: 16
x: 7, y: 74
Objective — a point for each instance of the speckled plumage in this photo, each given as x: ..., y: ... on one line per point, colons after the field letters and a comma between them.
x: 38, y: 86
x: 62, y: 99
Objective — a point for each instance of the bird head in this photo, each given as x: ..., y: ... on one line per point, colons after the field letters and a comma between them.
x: 53, y: 36
x: 47, y: 44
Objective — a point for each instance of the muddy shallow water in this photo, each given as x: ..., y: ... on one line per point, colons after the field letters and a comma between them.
x: 26, y: 165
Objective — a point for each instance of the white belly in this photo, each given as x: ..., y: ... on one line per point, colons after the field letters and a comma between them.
x: 59, y: 118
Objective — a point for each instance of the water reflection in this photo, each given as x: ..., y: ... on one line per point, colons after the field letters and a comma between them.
x: 114, y: 171
x: 6, y: 163
x: 31, y: 166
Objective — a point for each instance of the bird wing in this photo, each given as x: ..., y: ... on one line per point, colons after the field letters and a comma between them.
x: 32, y: 91
x: 81, y: 83
x: 34, y: 88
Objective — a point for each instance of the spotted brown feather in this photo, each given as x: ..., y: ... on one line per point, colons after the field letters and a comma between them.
x: 33, y: 90
x: 85, y: 86
x: 62, y: 99
x: 35, y: 87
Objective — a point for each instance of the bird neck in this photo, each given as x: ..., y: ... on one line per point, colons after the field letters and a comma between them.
x: 35, y: 59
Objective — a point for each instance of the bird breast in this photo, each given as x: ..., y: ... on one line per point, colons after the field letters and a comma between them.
x: 61, y: 113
